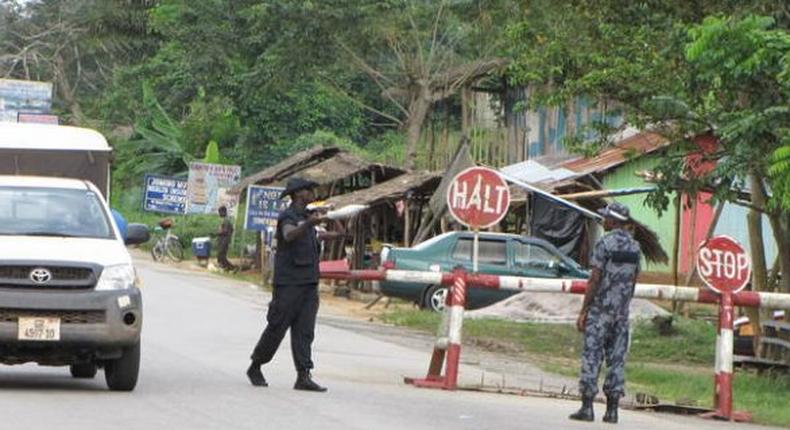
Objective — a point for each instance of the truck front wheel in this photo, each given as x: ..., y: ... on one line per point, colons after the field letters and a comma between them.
x: 121, y: 374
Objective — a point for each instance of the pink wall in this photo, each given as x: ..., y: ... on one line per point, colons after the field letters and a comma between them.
x: 704, y: 211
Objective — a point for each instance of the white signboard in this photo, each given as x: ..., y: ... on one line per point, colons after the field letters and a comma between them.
x: 26, y: 97
x: 209, y: 186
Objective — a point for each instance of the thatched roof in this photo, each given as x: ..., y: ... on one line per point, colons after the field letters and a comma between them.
x: 647, y: 238
x: 286, y: 167
x: 394, y: 189
x: 339, y: 166
x: 324, y: 165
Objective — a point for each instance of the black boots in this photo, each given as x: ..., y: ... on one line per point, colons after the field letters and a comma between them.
x: 305, y: 382
x: 586, y: 412
x: 611, y: 410
x: 256, y: 376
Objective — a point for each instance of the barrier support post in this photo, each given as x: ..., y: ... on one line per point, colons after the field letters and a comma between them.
x: 449, y: 347
x: 722, y: 393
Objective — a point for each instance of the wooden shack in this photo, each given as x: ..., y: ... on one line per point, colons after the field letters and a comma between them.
x: 394, y: 210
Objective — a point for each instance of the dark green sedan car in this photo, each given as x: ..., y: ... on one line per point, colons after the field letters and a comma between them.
x: 499, y: 254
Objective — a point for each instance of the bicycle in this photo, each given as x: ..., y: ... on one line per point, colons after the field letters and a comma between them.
x: 169, y: 245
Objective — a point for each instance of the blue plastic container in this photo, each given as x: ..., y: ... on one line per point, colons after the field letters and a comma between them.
x: 201, y: 247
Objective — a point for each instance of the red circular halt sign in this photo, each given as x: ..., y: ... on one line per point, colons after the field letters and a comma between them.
x: 478, y: 197
x: 724, y: 265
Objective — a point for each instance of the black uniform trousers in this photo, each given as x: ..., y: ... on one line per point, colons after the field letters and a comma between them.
x: 294, y: 307
x: 223, y: 243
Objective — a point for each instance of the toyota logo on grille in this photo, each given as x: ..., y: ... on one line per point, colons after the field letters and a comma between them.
x: 40, y: 276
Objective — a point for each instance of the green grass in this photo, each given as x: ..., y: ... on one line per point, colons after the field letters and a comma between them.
x: 766, y: 396
x: 694, y: 342
x: 673, y: 367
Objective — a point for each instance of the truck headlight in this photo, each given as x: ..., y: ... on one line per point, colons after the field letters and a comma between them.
x: 119, y: 277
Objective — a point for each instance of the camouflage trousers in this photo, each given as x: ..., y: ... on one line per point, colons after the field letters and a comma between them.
x: 604, y: 336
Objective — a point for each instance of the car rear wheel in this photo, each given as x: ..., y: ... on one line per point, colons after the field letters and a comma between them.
x: 121, y: 374
x: 83, y: 370
x: 435, y: 298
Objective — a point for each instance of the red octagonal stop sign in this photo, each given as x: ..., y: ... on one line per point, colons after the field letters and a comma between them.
x: 724, y: 264
x: 478, y: 197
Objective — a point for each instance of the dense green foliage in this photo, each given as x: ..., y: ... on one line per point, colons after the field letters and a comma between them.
x: 263, y: 79
x: 684, y: 67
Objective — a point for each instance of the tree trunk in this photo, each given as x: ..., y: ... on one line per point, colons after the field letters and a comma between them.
x: 759, y: 269
x: 67, y: 92
x: 783, y: 248
x: 432, y: 146
x: 676, y: 249
x: 418, y: 111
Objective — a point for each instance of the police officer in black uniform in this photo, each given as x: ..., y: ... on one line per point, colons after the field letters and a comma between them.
x: 294, y: 302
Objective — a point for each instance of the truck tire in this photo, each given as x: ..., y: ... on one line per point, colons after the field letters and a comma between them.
x: 121, y: 374
x: 435, y: 297
x: 83, y: 370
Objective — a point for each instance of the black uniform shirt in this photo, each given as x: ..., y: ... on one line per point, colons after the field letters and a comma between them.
x: 296, y: 262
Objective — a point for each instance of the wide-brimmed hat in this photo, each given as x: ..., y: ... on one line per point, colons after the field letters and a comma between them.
x: 616, y: 211
x: 296, y: 184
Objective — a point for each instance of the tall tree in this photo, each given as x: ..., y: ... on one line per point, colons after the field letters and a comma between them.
x: 420, y: 54
x: 682, y: 74
x: 76, y: 44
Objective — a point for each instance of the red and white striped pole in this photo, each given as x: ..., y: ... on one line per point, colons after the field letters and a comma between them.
x: 724, y: 342
x: 722, y: 393
x: 457, y: 304
x: 751, y: 299
x: 448, y: 343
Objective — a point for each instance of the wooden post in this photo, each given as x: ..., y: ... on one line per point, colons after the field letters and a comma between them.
x: 407, y: 223
x: 360, y: 239
x: 676, y: 248
x: 264, y: 259
x: 258, y: 250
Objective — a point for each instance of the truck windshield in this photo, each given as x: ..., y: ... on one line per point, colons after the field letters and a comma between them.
x: 55, y: 212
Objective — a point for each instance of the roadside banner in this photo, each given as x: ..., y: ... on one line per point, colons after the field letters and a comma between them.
x: 37, y: 118
x: 18, y: 96
x: 209, y: 188
x: 263, y: 208
x: 165, y: 194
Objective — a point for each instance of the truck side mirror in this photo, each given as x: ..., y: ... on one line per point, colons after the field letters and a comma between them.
x: 137, y: 234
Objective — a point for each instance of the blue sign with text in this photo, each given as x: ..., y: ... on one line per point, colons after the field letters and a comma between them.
x: 164, y: 194
x: 263, y: 208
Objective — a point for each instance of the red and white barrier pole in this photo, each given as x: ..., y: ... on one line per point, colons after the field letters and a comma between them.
x: 722, y: 394
x: 448, y: 347
x: 457, y: 304
x: 724, y: 358
x: 448, y: 344
x: 572, y: 286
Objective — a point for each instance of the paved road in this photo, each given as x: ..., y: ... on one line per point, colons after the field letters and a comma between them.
x: 198, y: 333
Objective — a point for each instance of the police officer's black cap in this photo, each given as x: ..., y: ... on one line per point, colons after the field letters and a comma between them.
x: 297, y: 184
x: 617, y: 211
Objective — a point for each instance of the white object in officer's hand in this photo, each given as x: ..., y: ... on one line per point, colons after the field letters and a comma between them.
x: 319, y: 206
x: 346, y: 212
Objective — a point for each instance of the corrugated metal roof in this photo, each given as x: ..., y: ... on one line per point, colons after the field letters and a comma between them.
x: 533, y: 172
x: 639, y: 144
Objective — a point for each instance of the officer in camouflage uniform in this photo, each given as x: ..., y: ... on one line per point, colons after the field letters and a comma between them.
x: 604, y: 315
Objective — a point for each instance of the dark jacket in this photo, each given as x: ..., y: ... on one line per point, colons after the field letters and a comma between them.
x: 296, y: 262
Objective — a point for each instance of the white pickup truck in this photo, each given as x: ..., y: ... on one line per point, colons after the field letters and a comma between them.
x: 68, y: 290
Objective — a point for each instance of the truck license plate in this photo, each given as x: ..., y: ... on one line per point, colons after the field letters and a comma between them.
x: 39, y: 328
